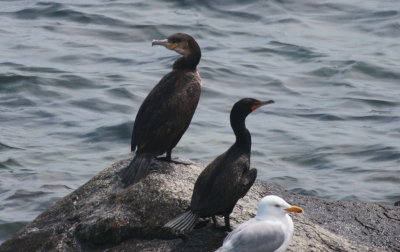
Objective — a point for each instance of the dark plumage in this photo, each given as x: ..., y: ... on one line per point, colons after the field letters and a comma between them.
x: 225, y: 180
x: 168, y: 109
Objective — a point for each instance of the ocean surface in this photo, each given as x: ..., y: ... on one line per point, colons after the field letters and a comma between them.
x: 74, y: 73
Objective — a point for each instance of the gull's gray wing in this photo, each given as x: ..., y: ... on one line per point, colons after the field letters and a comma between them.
x: 255, y: 236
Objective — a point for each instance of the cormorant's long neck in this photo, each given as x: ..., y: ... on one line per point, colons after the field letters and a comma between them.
x: 243, y: 137
x: 190, y: 60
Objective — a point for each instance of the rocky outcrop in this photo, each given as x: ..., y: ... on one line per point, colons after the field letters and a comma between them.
x: 103, y: 216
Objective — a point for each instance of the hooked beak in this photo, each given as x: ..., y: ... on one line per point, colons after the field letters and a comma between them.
x: 294, y: 209
x: 165, y: 43
x: 261, y: 104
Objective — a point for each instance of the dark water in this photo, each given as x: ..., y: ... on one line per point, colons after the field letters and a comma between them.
x: 73, y: 74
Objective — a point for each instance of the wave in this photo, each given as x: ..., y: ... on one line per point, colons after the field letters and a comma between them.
x: 9, y: 163
x: 115, y: 133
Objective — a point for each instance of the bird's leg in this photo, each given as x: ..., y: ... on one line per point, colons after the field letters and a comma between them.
x: 168, y: 159
x: 168, y: 156
x: 215, y: 221
x: 227, y: 226
x: 227, y: 223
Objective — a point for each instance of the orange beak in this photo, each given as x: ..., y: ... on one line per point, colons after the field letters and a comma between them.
x: 254, y: 107
x: 294, y: 209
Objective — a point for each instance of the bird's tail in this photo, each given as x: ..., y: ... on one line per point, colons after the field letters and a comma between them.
x: 137, y: 169
x: 184, y: 222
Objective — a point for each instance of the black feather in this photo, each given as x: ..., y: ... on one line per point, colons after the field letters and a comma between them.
x: 137, y: 169
x: 183, y: 222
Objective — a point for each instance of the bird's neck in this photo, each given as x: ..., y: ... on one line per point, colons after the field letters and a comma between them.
x: 262, y: 214
x: 243, y: 137
x: 190, y: 60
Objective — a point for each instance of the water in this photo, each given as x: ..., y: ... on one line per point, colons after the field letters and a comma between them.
x: 73, y: 75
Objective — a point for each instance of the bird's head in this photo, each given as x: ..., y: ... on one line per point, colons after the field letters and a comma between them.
x: 272, y: 205
x: 247, y: 105
x: 179, y: 42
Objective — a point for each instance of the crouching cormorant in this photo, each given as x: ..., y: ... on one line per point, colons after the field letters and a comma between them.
x: 167, y: 110
x: 269, y: 231
x: 225, y: 180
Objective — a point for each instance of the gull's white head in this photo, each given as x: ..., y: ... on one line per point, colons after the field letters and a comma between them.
x: 274, y: 206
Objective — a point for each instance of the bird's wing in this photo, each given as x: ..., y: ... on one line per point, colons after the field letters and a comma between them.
x: 152, y: 112
x: 220, y: 185
x: 247, y: 180
x: 240, y: 228
x: 255, y: 235
x: 204, y: 187
x: 165, y: 113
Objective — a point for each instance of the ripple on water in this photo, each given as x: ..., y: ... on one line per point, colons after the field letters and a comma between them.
x: 353, y: 170
x: 55, y: 187
x: 27, y: 195
x: 393, y: 178
x: 9, y: 82
x: 335, y: 68
x: 100, y: 105
x: 376, y: 118
x: 295, y: 52
x: 303, y: 191
x: 393, y: 197
x: 285, y: 181
x: 72, y: 81
x: 15, y: 83
x: 16, y: 101
x: 39, y: 69
x: 9, y: 163
x: 115, y: 133
x: 391, y: 29
x: 385, y: 155
x: 369, y: 153
x: 322, y: 117
x: 122, y: 92
x: 375, y: 71
x: 7, y: 147
x: 61, y: 12
x: 318, y: 161
x: 373, y: 102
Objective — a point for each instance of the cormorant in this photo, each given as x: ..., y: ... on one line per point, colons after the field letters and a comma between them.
x: 167, y: 110
x: 269, y: 231
x: 225, y: 180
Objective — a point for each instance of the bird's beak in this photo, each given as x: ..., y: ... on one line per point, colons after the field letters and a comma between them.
x: 254, y: 107
x: 165, y: 43
x: 294, y: 209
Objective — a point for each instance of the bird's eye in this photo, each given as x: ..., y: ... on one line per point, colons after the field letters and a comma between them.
x: 276, y: 205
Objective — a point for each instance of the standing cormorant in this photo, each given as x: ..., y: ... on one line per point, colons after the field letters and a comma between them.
x: 225, y: 180
x: 167, y: 110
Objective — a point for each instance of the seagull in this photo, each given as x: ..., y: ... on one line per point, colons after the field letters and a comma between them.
x: 271, y: 230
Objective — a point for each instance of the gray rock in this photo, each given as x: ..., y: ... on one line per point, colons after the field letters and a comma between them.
x: 103, y: 216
